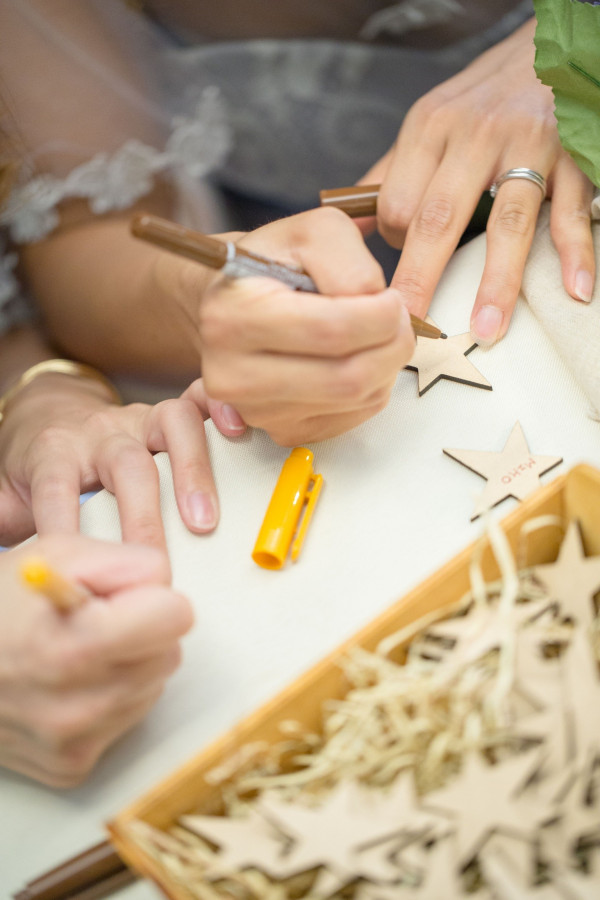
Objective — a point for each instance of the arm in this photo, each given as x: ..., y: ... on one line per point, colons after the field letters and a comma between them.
x: 304, y: 369
x: 104, y: 299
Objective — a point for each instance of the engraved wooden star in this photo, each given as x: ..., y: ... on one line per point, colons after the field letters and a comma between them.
x: 446, y: 358
x: 512, y: 472
x: 573, y: 579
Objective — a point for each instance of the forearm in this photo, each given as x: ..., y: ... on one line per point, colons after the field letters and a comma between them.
x: 21, y: 348
x: 111, y: 301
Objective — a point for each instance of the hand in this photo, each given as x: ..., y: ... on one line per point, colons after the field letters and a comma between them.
x: 70, y: 685
x: 302, y: 366
x: 455, y: 141
x: 62, y: 436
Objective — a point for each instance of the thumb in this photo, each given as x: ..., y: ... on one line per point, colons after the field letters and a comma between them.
x: 226, y: 418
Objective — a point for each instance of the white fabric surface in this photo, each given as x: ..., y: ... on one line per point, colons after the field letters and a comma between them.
x: 393, y: 509
x: 573, y: 327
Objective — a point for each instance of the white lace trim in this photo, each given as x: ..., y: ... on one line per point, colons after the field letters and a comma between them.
x: 408, y: 16
x: 197, y: 144
x: 13, y: 304
x: 8, y: 283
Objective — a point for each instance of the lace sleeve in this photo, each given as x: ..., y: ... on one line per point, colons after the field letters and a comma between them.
x: 82, y: 85
x: 14, y: 305
x: 88, y: 114
x: 115, y: 181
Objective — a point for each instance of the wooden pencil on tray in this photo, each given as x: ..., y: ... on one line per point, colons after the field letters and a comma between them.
x: 91, y: 875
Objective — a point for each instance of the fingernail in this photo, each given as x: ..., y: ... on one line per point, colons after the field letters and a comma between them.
x: 201, y: 508
x: 584, y: 285
x: 232, y: 418
x: 486, y: 325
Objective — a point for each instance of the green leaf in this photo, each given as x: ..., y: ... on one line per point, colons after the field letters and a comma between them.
x: 567, y: 41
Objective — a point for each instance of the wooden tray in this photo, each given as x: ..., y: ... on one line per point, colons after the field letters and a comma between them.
x: 575, y: 495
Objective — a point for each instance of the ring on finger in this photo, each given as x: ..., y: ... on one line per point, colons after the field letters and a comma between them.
x: 522, y: 173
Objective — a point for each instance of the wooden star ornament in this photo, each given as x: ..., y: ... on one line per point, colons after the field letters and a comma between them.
x: 573, y: 579
x: 440, y: 880
x: 446, y: 358
x: 582, y: 690
x: 332, y: 833
x: 481, y: 800
x: 244, y: 843
x: 511, y: 472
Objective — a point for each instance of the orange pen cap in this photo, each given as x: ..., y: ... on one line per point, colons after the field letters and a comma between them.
x: 296, y: 492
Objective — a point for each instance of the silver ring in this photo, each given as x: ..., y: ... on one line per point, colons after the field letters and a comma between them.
x: 526, y: 174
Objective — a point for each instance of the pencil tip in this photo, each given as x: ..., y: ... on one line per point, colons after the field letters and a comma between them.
x: 443, y: 336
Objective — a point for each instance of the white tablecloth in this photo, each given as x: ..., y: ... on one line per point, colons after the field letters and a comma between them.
x: 393, y: 509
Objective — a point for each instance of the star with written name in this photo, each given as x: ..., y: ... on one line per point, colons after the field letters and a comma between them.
x: 573, y: 579
x: 511, y: 472
x: 435, y: 359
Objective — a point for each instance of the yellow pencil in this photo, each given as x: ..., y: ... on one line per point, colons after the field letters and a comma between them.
x: 63, y: 594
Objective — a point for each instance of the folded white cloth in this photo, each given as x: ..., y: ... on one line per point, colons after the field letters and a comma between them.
x: 573, y: 327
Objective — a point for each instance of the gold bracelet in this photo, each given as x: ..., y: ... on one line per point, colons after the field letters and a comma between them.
x: 57, y: 367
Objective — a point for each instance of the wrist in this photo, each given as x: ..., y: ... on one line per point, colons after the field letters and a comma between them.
x: 51, y: 373
x: 21, y: 347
